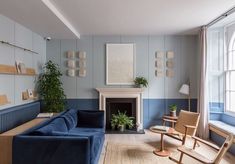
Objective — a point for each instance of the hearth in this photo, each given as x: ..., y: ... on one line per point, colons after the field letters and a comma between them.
x: 123, y: 105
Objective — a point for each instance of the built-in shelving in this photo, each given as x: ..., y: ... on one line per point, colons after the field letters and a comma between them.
x: 11, y: 70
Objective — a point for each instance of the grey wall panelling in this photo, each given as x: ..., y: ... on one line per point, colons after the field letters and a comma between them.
x: 156, y: 84
x: 14, y: 85
x: 99, y: 59
x: 85, y: 84
x: 141, y: 43
x: 184, y: 47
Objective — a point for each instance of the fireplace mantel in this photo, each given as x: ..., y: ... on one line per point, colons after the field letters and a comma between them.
x: 123, y: 93
x: 122, y: 90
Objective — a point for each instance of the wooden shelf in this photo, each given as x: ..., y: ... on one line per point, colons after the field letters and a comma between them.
x: 6, y: 69
x: 11, y: 70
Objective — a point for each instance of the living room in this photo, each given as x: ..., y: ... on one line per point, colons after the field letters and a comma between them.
x: 117, y: 82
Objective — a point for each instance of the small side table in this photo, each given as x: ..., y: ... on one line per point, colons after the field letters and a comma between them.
x: 173, y: 118
x: 162, y: 151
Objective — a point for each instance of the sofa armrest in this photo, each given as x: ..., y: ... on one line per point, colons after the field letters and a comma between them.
x: 51, y: 149
x: 90, y: 119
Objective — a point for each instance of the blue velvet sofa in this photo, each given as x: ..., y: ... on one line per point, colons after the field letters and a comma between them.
x: 73, y: 137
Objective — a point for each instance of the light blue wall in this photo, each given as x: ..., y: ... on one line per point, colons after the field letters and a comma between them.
x: 14, y: 85
x: 184, y: 47
x: 162, y: 91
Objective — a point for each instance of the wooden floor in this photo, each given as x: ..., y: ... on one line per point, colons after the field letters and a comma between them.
x: 153, y: 140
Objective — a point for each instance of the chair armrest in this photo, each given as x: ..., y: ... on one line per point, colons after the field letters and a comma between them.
x: 206, y: 143
x: 168, y: 120
x: 186, y: 132
x: 189, y: 126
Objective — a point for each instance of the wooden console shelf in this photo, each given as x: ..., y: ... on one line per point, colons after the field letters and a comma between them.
x: 11, y: 70
x: 7, y: 137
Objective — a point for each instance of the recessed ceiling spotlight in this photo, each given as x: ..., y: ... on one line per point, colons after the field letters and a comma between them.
x: 47, y: 38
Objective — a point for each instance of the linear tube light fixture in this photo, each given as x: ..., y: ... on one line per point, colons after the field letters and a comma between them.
x: 53, y: 8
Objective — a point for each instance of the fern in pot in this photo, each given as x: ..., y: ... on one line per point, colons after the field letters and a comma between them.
x: 121, y: 121
x: 50, y: 88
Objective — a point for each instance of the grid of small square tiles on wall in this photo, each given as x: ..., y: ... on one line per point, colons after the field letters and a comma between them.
x: 76, y: 64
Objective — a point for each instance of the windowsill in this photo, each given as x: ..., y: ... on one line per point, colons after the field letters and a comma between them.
x: 232, y: 114
x: 214, y: 112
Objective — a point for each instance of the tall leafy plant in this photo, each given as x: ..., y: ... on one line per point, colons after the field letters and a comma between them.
x: 50, y: 88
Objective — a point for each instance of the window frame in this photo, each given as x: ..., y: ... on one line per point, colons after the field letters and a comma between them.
x: 228, y: 71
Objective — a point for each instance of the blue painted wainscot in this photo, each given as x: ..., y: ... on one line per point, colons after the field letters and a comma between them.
x: 153, y: 109
x: 217, y: 114
x: 15, y: 116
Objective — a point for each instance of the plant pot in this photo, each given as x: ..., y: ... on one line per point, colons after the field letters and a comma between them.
x: 113, y: 128
x: 141, y: 86
x: 121, y: 128
x: 173, y: 113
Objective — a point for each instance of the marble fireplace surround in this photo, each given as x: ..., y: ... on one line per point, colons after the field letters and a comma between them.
x: 136, y: 93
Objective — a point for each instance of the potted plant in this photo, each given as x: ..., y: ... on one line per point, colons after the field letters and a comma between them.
x: 141, y: 82
x: 121, y: 121
x: 173, y: 109
x: 50, y: 88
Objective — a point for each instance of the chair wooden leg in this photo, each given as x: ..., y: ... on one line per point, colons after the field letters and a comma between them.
x: 181, y: 158
x: 185, y: 135
x: 198, y: 144
x: 195, y: 143
x: 163, y: 123
x: 184, y: 140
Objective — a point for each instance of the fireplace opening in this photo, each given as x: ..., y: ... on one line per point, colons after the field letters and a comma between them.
x: 124, y: 105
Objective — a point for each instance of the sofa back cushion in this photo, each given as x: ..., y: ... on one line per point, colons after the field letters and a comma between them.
x: 93, y: 119
x: 70, y: 118
x: 58, y: 124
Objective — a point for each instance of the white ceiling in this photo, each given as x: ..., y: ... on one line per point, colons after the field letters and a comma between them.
x: 115, y: 17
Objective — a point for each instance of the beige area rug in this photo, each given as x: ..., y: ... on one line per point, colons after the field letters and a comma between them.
x: 116, y: 153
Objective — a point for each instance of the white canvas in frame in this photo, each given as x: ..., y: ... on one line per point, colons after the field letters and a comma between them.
x: 120, y: 64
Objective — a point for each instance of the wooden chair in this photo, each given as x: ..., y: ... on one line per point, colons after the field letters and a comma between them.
x: 203, y: 159
x: 186, y: 125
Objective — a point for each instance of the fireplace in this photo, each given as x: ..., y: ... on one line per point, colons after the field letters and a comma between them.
x: 123, y: 105
x: 132, y: 96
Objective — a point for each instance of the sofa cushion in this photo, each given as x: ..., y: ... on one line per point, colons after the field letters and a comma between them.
x: 58, y: 124
x: 90, y: 119
x: 70, y: 118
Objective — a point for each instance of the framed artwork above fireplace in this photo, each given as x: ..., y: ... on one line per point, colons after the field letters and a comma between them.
x: 120, y: 64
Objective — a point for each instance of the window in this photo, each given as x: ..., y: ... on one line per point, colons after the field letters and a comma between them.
x: 230, y: 76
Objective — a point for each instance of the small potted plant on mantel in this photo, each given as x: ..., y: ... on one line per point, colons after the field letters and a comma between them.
x: 121, y: 121
x: 141, y: 82
x: 173, y: 109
